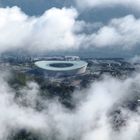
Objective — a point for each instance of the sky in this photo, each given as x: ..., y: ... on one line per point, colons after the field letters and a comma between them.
x: 91, y: 28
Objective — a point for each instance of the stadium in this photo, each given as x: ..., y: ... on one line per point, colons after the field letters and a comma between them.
x: 61, y: 68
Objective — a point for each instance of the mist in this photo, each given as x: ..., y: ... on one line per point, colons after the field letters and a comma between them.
x: 108, y: 110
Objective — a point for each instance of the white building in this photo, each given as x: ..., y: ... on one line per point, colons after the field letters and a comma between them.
x: 61, y: 68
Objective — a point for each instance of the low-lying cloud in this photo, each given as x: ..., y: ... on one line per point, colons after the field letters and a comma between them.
x: 104, y: 112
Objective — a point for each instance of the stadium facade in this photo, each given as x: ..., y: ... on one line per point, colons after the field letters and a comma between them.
x: 61, y: 68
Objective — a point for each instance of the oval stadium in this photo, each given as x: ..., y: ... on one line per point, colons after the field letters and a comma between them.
x: 61, y: 68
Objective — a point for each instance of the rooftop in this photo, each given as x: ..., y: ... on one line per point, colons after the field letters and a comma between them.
x: 60, y: 65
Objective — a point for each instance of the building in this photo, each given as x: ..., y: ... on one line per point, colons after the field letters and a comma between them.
x: 71, y: 58
x: 61, y: 68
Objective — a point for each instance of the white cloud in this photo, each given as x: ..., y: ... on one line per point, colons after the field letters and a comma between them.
x: 120, y: 32
x: 53, y: 30
x: 59, y: 29
x: 91, y: 119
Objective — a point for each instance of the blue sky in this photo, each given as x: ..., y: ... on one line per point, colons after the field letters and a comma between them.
x: 34, y: 7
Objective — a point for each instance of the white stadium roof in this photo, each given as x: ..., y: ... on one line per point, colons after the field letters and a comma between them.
x: 60, y: 65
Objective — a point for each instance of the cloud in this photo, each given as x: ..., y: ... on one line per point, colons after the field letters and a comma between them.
x: 60, y: 29
x: 135, y: 59
x: 119, y: 32
x: 109, y: 3
x: 14, y: 116
x: 101, y: 112
x: 50, y: 31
